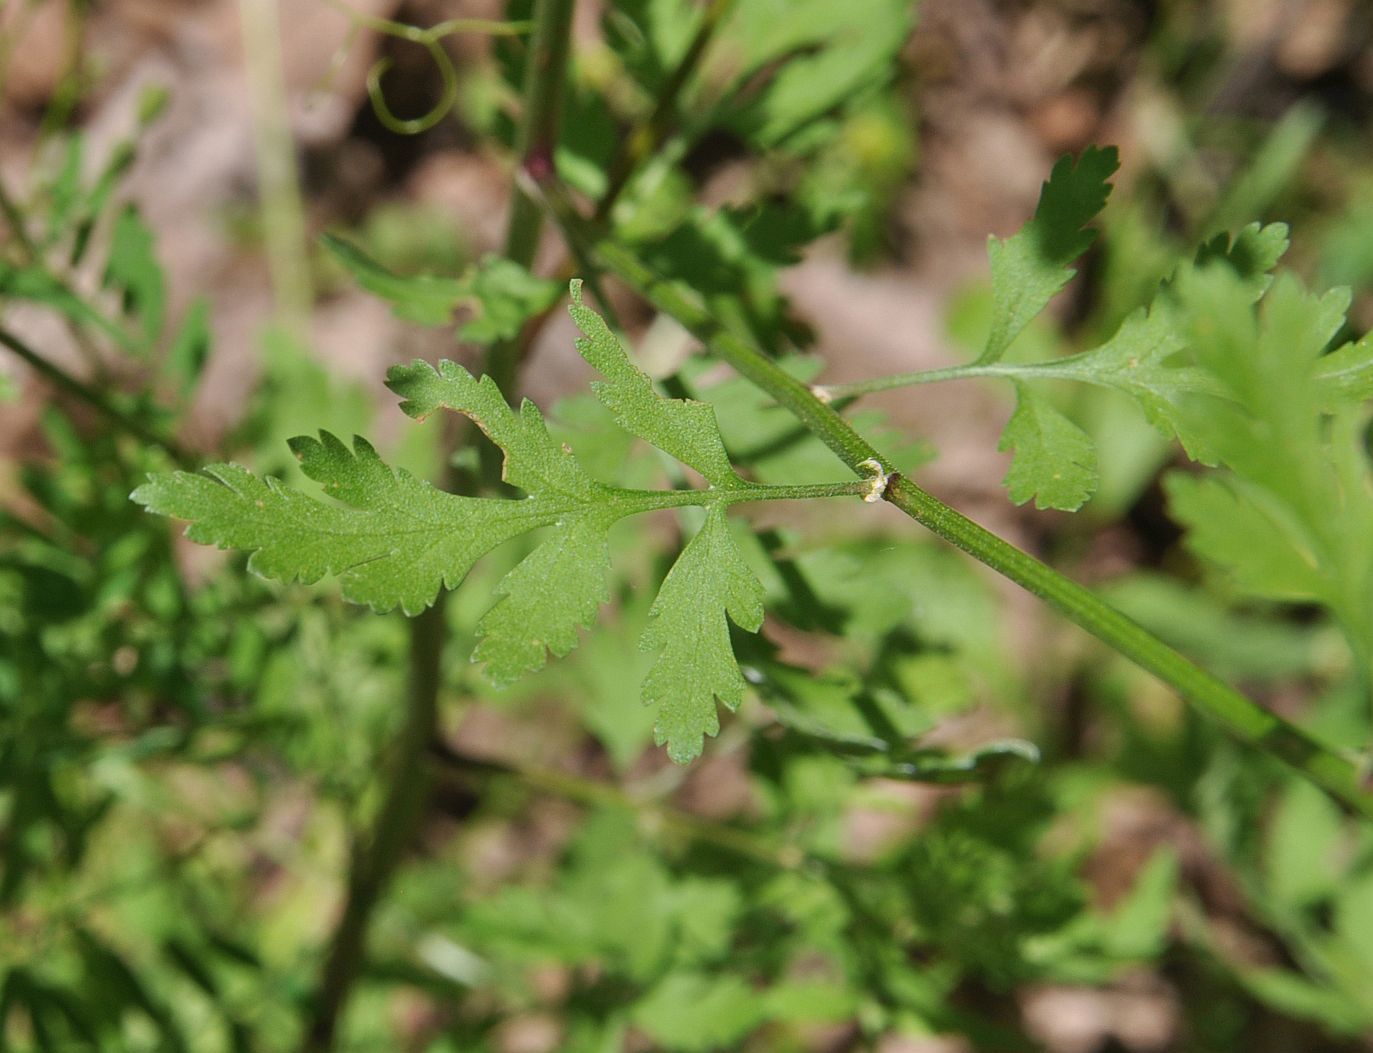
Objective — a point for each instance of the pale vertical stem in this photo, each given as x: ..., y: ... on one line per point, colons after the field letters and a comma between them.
x: 282, y: 209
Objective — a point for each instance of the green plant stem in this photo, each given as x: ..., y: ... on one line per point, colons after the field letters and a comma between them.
x: 15, y: 220
x: 1247, y: 721
x: 1055, y: 369
x: 410, y: 772
x: 635, y: 502
x: 544, y: 79
x: 402, y: 809
x: 635, y: 148
x: 63, y: 380
x: 282, y: 210
x: 1003, y: 370
x: 1243, y: 718
x: 600, y: 794
x: 648, y: 138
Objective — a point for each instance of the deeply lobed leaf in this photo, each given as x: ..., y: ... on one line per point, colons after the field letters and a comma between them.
x: 684, y: 428
x: 505, y: 294
x: 1030, y: 268
x: 555, y: 590
x: 1152, y: 359
x: 534, y: 461
x: 1054, y: 462
x: 688, y: 631
x: 1290, y: 517
x: 394, y: 542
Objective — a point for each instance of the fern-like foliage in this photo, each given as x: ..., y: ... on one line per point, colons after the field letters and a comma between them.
x: 1289, y: 516
x: 1151, y: 357
x: 1029, y: 269
x: 395, y: 540
x: 1155, y: 359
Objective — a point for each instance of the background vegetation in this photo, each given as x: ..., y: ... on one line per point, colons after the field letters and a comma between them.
x: 239, y: 815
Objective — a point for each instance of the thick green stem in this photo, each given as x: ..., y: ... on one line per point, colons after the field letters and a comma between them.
x: 1247, y: 721
x: 1243, y: 718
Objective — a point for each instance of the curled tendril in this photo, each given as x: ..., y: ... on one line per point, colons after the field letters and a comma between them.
x: 431, y: 40
x: 414, y: 125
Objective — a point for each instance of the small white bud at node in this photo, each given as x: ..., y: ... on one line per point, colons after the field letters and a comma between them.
x: 877, y: 484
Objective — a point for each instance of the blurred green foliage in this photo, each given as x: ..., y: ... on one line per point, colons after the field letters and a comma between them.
x: 874, y: 850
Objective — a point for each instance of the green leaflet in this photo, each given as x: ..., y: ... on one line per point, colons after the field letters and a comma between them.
x: 534, y: 461
x: 684, y: 428
x: 133, y: 269
x: 38, y: 286
x: 688, y: 632
x: 1030, y: 268
x: 777, y: 67
x: 1150, y: 359
x: 395, y: 540
x: 1345, y: 376
x: 1242, y: 529
x: 554, y: 590
x: 1054, y: 462
x: 1251, y: 254
x: 421, y: 298
x: 695, y: 1012
x: 505, y: 293
x: 508, y: 296
x: 1135, y: 362
x: 834, y: 52
x: 190, y: 347
x: 1290, y: 517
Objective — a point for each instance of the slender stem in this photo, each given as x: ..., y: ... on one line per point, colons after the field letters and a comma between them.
x: 15, y: 220
x: 91, y: 397
x: 797, y: 492
x: 1054, y: 369
x: 633, y: 502
x: 647, y: 139
x: 410, y: 773
x: 283, y: 212
x: 635, y: 148
x: 422, y: 35
x: 591, y: 792
x: 538, y: 137
x: 401, y: 811
x: 1247, y: 721
x: 834, y: 392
